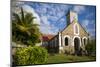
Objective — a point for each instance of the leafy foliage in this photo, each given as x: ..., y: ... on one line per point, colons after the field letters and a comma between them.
x: 24, y: 30
x: 91, y: 47
x: 30, y: 55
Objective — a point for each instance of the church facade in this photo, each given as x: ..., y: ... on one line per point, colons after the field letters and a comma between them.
x: 72, y: 39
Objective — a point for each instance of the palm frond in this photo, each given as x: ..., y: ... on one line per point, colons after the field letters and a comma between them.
x: 22, y: 14
x: 17, y: 18
x: 31, y: 19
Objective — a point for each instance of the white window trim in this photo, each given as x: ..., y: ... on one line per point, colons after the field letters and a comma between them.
x: 83, y: 40
x: 75, y: 29
x: 76, y: 37
x: 59, y: 39
x: 68, y: 39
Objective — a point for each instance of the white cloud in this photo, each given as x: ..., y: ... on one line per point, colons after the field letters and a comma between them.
x: 85, y: 22
x: 16, y: 5
x: 26, y: 8
x: 49, y: 30
x: 90, y: 15
x: 79, y: 9
x: 44, y: 20
x: 46, y: 27
x: 53, y: 13
x: 87, y: 25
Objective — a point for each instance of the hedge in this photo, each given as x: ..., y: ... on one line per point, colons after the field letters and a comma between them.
x: 30, y: 55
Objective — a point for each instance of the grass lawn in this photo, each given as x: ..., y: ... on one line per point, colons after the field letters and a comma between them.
x: 61, y: 58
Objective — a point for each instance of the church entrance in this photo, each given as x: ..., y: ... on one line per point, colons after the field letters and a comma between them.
x: 77, y: 45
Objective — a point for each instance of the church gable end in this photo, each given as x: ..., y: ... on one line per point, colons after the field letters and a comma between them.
x: 73, y: 27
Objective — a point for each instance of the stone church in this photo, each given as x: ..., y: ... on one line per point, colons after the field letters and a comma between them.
x: 72, y: 39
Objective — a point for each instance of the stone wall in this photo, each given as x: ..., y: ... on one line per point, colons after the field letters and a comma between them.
x: 70, y: 32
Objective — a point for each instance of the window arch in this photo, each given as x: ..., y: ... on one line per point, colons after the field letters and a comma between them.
x: 84, y: 40
x: 76, y: 29
x: 66, y: 41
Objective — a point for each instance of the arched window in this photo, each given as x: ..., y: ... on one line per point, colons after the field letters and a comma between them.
x: 76, y: 29
x: 66, y: 41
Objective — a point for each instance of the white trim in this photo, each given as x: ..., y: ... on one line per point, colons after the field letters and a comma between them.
x: 64, y: 39
x: 76, y: 37
x: 59, y: 39
x: 83, y: 40
x: 75, y: 29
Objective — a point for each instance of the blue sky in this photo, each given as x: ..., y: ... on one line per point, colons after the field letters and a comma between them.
x: 52, y: 17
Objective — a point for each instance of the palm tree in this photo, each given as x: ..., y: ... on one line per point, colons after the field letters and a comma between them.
x: 24, y: 29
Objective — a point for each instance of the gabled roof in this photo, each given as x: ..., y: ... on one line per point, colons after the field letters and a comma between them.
x: 79, y: 24
x: 47, y: 37
x: 83, y: 28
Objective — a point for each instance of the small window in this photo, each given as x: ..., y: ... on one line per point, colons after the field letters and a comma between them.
x: 76, y: 29
x: 66, y: 41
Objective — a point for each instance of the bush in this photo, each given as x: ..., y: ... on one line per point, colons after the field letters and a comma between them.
x: 91, y: 48
x: 30, y: 55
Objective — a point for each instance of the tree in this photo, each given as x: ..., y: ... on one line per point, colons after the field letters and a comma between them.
x: 91, y: 48
x: 24, y: 30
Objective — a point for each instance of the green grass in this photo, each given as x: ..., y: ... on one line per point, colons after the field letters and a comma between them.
x: 61, y: 58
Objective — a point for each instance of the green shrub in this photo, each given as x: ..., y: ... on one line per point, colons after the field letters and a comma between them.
x: 91, y: 48
x: 30, y: 55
